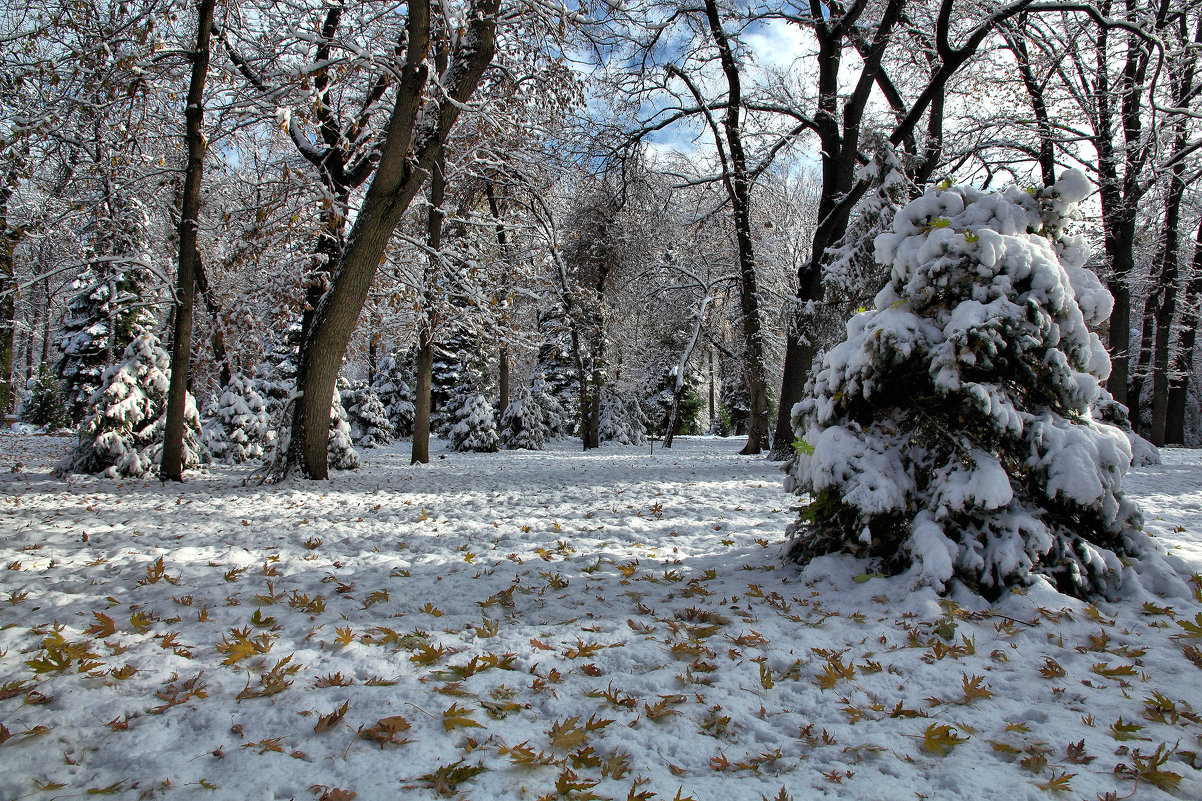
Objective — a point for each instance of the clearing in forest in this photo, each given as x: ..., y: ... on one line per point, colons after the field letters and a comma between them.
x: 554, y: 625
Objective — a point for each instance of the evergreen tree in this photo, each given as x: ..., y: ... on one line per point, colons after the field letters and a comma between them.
x: 99, y: 321
x: 524, y: 423
x: 558, y: 420
x: 238, y: 426
x: 122, y: 432
x: 41, y: 403
x: 341, y: 450
x: 450, y: 387
x: 474, y: 427
x: 951, y: 432
x: 393, y: 389
x: 622, y: 419
x: 555, y: 366
x: 368, y: 420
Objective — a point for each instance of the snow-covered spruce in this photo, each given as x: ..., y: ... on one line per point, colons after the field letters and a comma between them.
x: 237, y: 428
x: 475, y: 426
x: 122, y: 432
x: 340, y: 450
x: 1108, y: 410
x: 393, y: 390
x: 524, y: 423
x: 559, y: 422
x: 951, y: 434
x: 41, y: 402
x: 369, y: 422
x: 622, y: 420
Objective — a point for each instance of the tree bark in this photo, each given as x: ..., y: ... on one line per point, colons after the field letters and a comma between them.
x: 1174, y: 433
x: 414, y: 136
x: 420, y: 453
x: 738, y: 186
x: 172, y: 464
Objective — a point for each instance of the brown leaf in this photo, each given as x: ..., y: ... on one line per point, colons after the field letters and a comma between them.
x: 327, y: 722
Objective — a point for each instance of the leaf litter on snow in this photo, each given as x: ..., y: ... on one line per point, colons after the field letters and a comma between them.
x: 556, y: 625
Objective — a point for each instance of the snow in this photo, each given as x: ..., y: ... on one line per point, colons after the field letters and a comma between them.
x: 655, y: 578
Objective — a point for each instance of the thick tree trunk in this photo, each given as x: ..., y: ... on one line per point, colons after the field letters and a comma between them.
x: 172, y: 465
x: 407, y: 154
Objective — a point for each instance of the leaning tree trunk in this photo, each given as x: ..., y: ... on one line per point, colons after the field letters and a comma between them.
x: 414, y: 136
x: 172, y: 466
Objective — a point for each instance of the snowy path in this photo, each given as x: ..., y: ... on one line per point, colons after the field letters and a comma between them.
x: 530, y: 625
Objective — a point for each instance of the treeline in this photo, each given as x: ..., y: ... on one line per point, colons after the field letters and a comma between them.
x: 355, y: 221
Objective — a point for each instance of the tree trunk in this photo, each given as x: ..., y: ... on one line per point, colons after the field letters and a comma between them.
x: 406, y: 155
x: 1174, y: 432
x: 420, y: 453
x: 1143, y: 362
x: 172, y: 465
x: 739, y: 190
x: 503, y: 242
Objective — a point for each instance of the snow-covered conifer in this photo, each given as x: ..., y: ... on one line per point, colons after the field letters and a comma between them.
x: 951, y: 432
x: 41, y: 403
x: 475, y: 426
x: 559, y: 423
x: 122, y: 432
x: 340, y: 450
x: 236, y: 429
x: 524, y: 423
x: 99, y: 321
x: 369, y: 422
x: 393, y: 390
x: 622, y: 419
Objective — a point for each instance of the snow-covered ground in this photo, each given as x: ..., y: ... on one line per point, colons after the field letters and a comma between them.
x: 553, y: 625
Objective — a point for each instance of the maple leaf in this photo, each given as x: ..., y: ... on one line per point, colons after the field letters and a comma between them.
x: 103, y: 627
x: 327, y: 722
x: 973, y: 689
x: 1059, y: 782
x: 939, y: 738
x: 1051, y: 669
x: 567, y: 734
x: 447, y: 778
x: 458, y: 716
x: 386, y: 730
x: 1193, y: 629
x: 1075, y: 753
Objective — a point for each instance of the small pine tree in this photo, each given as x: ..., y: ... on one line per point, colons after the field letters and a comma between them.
x: 340, y: 451
x: 622, y: 419
x: 369, y: 421
x: 100, y: 320
x: 475, y: 426
x: 42, y: 403
x: 524, y: 423
x: 559, y: 423
x: 392, y: 388
x: 237, y: 424
x: 951, y: 432
x: 122, y: 433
